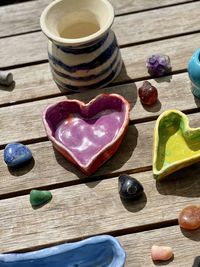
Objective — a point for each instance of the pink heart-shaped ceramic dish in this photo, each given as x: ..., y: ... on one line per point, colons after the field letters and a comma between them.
x: 87, y: 134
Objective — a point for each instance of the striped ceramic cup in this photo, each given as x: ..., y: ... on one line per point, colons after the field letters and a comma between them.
x: 83, y: 50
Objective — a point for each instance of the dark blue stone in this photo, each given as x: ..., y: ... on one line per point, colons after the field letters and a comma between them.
x: 129, y: 187
x: 16, y: 154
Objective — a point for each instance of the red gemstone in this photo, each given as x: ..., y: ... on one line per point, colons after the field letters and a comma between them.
x: 148, y: 94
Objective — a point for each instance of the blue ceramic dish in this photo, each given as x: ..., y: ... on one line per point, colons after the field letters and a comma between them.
x: 194, y: 73
x: 98, y: 251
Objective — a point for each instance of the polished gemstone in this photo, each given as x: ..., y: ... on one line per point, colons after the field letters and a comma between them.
x: 161, y: 253
x: 129, y: 187
x: 148, y: 94
x: 39, y: 198
x: 16, y: 154
x: 189, y: 218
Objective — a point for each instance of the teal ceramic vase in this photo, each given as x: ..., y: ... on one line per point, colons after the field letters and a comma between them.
x: 194, y: 73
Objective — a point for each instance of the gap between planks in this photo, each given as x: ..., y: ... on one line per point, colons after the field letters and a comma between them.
x: 128, y: 45
x: 145, y: 28
x: 111, y: 85
x: 117, y: 233
x: 37, y: 82
x: 133, y: 122
x: 71, y: 207
x: 85, y: 180
x: 36, y: 8
x: 168, y: 96
x: 65, y: 174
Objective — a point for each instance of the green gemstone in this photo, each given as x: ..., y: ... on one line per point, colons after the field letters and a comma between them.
x: 39, y: 198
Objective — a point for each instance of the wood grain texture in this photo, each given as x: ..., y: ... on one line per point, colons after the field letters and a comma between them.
x: 129, y: 29
x: 21, y: 17
x: 50, y: 168
x: 127, y: 6
x: 36, y: 81
x: 138, y: 246
x: 28, y: 116
x: 160, y: 23
x: 24, y: 17
x: 93, y: 208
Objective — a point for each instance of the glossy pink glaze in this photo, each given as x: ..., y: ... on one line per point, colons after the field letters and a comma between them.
x: 86, y: 137
x: 87, y: 134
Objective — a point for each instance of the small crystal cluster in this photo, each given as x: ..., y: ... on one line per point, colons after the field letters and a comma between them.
x: 158, y: 65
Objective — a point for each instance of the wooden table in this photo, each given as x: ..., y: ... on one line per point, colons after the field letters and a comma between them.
x: 86, y: 206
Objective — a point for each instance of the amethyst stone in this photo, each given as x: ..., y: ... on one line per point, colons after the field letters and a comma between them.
x: 129, y: 187
x: 16, y: 154
x: 158, y: 65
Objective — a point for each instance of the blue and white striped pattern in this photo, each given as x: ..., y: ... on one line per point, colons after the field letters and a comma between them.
x: 86, y: 67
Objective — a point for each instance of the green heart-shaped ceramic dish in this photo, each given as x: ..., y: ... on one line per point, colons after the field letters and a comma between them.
x: 175, y: 144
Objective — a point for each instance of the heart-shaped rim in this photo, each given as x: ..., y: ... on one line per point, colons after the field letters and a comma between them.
x: 187, y: 131
x: 107, y: 151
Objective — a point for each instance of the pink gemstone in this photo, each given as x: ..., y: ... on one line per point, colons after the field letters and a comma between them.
x: 161, y: 253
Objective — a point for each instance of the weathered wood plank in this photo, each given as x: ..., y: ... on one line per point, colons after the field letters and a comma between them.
x: 138, y: 246
x: 28, y: 116
x: 122, y: 7
x: 153, y: 24
x: 24, y: 17
x: 50, y: 168
x: 36, y: 81
x: 93, y: 208
x: 21, y: 18
x: 129, y: 29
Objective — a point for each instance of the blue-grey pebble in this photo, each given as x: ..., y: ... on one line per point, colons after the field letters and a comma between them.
x: 16, y: 154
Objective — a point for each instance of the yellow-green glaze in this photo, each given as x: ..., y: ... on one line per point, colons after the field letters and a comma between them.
x: 176, y: 145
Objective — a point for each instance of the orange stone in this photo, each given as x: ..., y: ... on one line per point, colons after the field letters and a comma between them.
x: 189, y: 218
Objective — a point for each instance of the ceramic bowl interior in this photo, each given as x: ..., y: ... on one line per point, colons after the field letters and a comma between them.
x: 66, y: 20
x: 176, y: 144
x: 102, y: 251
x: 84, y: 130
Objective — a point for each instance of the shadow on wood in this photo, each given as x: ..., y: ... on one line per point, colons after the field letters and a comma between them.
x: 155, y: 108
x: 193, y: 235
x: 9, y: 88
x: 22, y: 170
x: 163, y: 263
x: 135, y: 205
x: 185, y: 182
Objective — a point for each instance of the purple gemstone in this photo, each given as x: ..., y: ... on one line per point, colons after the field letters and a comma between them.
x: 158, y: 65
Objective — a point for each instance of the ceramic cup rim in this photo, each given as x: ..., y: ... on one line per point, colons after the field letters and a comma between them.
x: 76, y: 41
x: 197, y: 56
